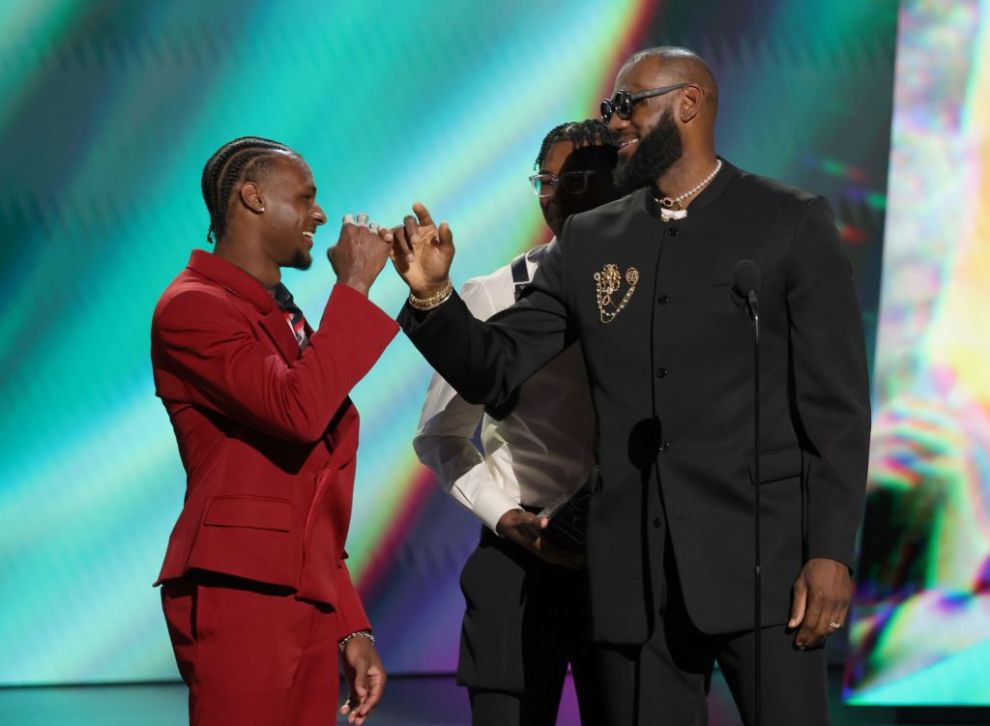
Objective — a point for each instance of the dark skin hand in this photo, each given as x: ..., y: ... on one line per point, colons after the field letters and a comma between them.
x: 422, y: 252
x: 526, y: 530
x: 821, y: 596
x: 365, y: 676
x: 359, y: 256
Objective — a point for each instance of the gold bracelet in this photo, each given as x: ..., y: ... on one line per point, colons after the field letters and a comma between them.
x: 435, y: 300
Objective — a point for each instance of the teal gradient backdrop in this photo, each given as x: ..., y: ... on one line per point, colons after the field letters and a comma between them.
x: 920, y: 625
x: 108, y: 111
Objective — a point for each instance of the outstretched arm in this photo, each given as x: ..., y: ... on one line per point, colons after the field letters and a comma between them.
x: 206, y: 352
x: 445, y: 443
x: 484, y: 362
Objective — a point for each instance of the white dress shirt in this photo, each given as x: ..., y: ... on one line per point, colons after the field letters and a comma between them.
x: 539, y: 455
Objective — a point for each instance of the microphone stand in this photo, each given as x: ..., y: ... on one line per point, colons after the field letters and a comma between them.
x: 754, y: 312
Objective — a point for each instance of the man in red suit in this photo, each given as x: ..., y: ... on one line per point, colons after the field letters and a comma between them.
x: 257, y: 597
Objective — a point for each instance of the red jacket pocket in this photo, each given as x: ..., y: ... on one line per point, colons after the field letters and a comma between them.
x: 254, y: 512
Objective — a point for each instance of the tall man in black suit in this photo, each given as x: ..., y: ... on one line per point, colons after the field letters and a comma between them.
x: 645, y: 284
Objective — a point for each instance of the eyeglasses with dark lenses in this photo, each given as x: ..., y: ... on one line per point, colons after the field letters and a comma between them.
x: 572, y: 182
x: 622, y: 102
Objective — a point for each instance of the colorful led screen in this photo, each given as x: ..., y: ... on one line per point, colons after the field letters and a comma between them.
x: 921, y: 631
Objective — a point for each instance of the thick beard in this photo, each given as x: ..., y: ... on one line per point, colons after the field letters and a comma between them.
x: 656, y: 153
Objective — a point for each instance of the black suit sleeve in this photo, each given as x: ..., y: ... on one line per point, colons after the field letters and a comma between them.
x: 830, y: 383
x: 486, y: 361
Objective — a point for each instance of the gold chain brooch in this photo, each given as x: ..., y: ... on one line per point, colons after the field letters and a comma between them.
x: 607, y: 283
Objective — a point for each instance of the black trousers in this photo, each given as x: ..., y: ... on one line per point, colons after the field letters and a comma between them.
x: 524, y: 623
x: 665, y: 681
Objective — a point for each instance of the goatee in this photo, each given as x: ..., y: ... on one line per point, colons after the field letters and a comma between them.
x: 301, y: 260
x: 655, y: 153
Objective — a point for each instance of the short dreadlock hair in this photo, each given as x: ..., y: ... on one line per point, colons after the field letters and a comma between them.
x: 243, y: 159
x: 591, y: 132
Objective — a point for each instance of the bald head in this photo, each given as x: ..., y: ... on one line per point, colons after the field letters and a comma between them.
x: 680, y: 65
x: 663, y: 113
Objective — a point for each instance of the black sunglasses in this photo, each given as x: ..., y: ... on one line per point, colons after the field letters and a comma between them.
x: 622, y: 102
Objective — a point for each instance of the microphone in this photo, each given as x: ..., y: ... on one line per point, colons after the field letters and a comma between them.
x: 746, y: 280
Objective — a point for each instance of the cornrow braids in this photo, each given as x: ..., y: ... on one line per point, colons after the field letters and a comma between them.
x: 590, y: 132
x: 242, y: 158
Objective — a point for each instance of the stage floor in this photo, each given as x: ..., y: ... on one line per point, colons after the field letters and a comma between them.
x: 409, y: 701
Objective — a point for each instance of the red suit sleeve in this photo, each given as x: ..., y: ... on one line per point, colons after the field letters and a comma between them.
x: 350, y: 611
x: 211, y: 346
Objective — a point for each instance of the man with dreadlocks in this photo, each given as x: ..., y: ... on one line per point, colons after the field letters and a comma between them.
x: 525, y: 620
x: 257, y: 597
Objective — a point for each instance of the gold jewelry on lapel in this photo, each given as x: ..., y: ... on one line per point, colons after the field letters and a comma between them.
x: 607, y: 283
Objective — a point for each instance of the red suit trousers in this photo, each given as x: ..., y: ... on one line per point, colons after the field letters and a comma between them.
x: 252, y: 654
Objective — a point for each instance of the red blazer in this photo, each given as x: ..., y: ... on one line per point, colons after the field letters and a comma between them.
x: 266, y: 433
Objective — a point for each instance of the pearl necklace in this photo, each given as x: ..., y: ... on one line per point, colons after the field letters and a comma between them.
x: 670, y: 208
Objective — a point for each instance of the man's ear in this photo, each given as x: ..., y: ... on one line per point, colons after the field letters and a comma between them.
x: 690, y: 103
x: 250, y: 196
